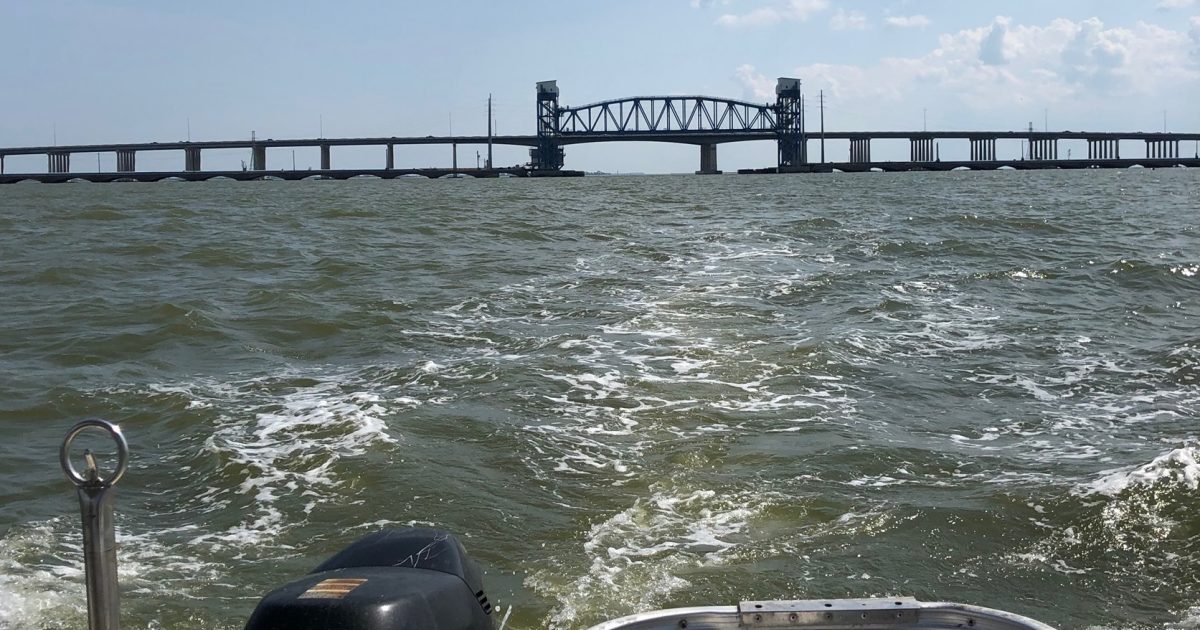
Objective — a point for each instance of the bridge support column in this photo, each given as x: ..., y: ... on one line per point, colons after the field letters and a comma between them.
x: 258, y: 158
x: 325, y: 157
x: 1162, y: 149
x: 921, y: 150
x: 789, y: 123
x: 1103, y: 149
x: 126, y: 160
x: 1, y: 164
x: 983, y: 149
x: 548, y: 154
x: 59, y: 162
x: 1043, y: 149
x: 390, y: 163
x: 860, y: 150
x: 708, y: 160
x: 191, y: 159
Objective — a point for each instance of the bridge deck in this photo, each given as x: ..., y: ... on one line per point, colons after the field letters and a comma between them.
x: 195, y: 176
x: 684, y: 137
x: 977, y: 165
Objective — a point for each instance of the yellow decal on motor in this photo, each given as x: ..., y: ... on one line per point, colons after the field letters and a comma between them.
x: 332, y: 588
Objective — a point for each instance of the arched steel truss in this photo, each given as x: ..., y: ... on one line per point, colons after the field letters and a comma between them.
x: 664, y: 115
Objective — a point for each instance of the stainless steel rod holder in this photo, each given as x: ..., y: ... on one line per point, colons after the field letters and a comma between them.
x: 96, y: 498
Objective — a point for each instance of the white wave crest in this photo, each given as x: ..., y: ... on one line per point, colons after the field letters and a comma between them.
x: 290, y: 448
x: 31, y: 593
x: 637, y: 554
x: 1175, y: 466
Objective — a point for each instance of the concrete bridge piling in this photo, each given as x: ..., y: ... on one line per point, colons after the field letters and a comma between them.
x: 59, y: 162
x: 191, y: 159
x: 708, y: 160
x: 126, y: 160
x: 1043, y: 149
x: 983, y: 149
x: 1104, y: 149
x: 922, y: 149
x: 1162, y: 149
x: 860, y: 150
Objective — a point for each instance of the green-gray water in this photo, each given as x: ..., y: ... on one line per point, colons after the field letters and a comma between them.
x: 623, y: 393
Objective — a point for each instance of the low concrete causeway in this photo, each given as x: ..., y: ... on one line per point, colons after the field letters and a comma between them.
x: 1041, y: 151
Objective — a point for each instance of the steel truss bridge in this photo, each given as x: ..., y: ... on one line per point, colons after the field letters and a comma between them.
x: 701, y: 120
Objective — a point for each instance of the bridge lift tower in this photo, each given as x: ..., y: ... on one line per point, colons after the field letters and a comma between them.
x: 548, y: 154
x: 789, y: 123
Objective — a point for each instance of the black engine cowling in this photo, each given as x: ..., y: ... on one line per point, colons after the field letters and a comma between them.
x: 403, y: 579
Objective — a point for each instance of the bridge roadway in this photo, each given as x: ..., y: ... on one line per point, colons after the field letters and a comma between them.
x: 196, y: 176
x: 435, y: 173
x: 682, y: 137
x: 980, y: 165
x: 1042, y: 147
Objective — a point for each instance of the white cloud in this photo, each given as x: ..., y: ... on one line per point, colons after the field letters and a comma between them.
x: 1166, y: 5
x: 1005, y: 71
x: 1194, y: 34
x: 848, y: 21
x: 760, y: 86
x: 992, y: 49
x: 907, y: 21
x: 792, y: 11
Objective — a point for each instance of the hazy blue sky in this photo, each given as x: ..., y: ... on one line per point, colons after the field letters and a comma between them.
x: 138, y: 70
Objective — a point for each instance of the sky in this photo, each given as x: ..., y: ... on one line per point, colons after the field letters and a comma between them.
x: 86, y: 71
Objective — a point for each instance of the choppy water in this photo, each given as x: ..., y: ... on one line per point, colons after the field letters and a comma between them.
x: 623, y: 392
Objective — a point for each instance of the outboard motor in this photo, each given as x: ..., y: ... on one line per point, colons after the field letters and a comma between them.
x: 401, y: 579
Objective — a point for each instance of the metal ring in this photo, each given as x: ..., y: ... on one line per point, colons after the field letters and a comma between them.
x: 113, y: 430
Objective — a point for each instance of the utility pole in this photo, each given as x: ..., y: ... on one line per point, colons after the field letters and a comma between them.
x: 1046, y: 119
x: 189, y: 123
x: 489, y: 160
x: 924, y: 119
x: 320, y: 125
x: 822, y: 96
x: 804, y: 137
